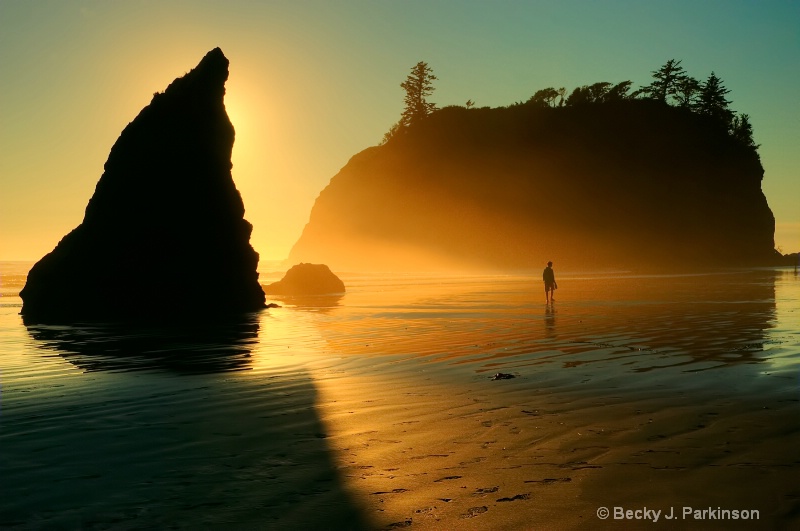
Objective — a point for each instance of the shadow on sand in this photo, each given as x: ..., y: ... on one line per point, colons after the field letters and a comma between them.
x: 162, y: 435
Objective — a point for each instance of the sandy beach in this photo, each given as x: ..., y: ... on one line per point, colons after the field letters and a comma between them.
x: 378, y: 410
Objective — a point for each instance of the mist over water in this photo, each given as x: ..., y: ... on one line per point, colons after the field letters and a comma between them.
x: 372, y: 408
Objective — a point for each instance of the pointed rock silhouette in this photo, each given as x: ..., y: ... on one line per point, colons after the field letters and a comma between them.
x: 164, y: 235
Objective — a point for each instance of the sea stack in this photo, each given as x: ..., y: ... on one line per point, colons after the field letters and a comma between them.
x: 307, y: 279
x: 629, y: 185
x: 164, y: 235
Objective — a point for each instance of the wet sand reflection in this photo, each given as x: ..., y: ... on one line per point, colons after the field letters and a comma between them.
x: 165, y: 427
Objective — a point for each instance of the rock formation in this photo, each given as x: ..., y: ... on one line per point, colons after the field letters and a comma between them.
x: 634, y: 184
x: 307, y: 279
x: 164, y: 234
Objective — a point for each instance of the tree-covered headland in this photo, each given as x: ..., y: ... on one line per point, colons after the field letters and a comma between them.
x: 666, y: 175
x: 671, y: 85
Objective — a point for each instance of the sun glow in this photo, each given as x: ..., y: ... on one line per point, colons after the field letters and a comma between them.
x: 252, y: 171
x: 236, y: 107
x: 268, y: 161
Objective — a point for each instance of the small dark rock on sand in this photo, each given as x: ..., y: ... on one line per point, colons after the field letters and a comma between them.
x: 503, y: 376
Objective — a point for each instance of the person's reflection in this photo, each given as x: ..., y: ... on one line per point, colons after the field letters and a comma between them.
x: 550, y: 321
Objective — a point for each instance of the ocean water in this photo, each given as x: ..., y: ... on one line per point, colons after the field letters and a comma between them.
x: 377, y: 409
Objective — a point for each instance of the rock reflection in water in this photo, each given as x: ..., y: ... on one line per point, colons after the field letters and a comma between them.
x: 316, y: 303
x: 183, y: 347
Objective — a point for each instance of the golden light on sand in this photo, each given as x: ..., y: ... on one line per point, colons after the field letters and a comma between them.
x: 381, y: 404
x: 288, y: 341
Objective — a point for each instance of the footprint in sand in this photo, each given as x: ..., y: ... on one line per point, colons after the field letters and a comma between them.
x: 515, y: 498
x: 485, y: 491
x: 547, y: 481
x: 472, y: 512
x: 446, y: 478
x: 393, y: 491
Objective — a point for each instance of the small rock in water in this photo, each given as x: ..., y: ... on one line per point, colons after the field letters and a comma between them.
x: 307, y: 279
x: 503, y: 376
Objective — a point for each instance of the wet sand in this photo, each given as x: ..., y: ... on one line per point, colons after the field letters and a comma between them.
x: 377, y: 410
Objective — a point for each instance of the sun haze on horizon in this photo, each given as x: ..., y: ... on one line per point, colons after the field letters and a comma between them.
x: 313, y: 84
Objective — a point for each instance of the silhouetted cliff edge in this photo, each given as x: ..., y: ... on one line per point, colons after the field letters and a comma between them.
x: 164, y: 234
x: 624, y: 184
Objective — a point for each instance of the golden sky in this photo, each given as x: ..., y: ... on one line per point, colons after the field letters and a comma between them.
x: 312, y: 83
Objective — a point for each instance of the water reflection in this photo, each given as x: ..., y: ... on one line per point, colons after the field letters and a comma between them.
x: 183, y: 347
x: 702, y: 321
x: 315, y: 303
x: 610, y: 324
x: 550, y: 321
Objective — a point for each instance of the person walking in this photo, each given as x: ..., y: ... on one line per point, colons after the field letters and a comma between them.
x: 550, y: 285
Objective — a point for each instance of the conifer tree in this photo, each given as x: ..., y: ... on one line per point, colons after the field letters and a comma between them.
x: 686, y: 92
x: 742, y: 130
x: 666, y: 82
x: 418, y: 86
x: 711, y: 100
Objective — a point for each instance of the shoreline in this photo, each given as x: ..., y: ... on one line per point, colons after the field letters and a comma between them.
x: 378, y: 411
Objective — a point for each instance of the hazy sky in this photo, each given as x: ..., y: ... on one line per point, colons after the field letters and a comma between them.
x: 314, y: 82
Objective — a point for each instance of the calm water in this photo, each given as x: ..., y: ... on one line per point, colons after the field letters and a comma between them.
x: 104, y: 426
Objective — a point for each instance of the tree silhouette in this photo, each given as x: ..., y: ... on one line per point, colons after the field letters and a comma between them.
x: 711, y: 100
x: 562, y: 94
x: 742, y: 130
x: 579, y: 96
x: 686, y: 92
x: 393, y: 130
x: 544, y: 98
x: 666, y: 82
x: 599, y: 92
x: 671, y: 86
x: 618, y: 91
x: 418, y: 86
